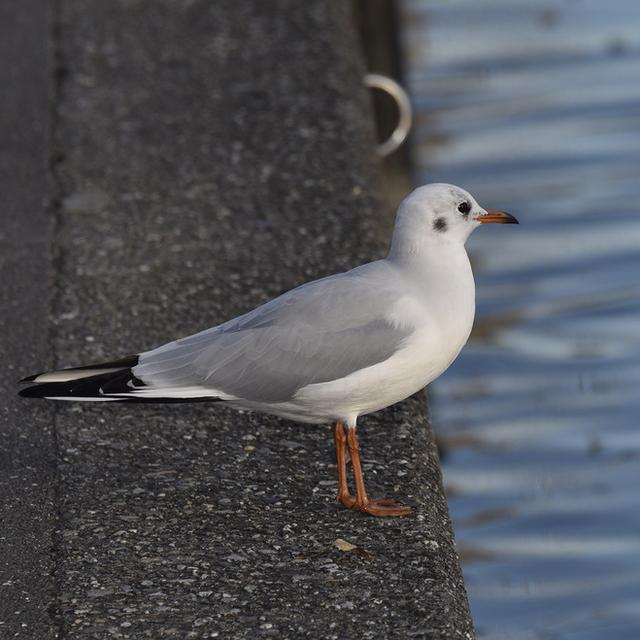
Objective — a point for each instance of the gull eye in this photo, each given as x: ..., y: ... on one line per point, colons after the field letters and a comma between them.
x: 464, y: 208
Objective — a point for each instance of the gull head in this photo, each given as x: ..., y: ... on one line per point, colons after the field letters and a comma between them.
x: 441, y: 213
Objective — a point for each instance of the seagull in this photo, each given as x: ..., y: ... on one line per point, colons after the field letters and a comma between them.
x: 328, y: 351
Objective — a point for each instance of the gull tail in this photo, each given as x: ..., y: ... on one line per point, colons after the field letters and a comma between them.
x: 112, y: 381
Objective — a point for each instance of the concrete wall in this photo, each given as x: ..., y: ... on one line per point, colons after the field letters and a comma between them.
x: 191, y: 160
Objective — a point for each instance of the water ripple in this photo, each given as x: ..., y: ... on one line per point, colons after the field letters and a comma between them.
x: 535, y: 108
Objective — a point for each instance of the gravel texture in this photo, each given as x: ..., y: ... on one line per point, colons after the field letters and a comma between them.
x: 208, y: 156
x: 27, y: 445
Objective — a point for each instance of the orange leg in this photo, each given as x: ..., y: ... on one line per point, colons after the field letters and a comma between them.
x: 343, y: 488
x: 361, y: 502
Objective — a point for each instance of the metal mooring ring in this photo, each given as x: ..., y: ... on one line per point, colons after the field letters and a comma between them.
x: 405, y: 115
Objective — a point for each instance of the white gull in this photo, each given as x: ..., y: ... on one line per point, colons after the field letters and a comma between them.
x: 330, y: 350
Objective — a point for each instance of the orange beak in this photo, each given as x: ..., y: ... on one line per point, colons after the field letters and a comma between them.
x: 497, y: 217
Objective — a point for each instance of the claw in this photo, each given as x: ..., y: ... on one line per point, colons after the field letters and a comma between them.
x: 386, y: 508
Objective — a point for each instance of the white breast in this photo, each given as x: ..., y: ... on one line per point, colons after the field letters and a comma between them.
x: 439, y: 335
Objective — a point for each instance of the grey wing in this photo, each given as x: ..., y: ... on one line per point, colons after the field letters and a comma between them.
x: 319, y: 332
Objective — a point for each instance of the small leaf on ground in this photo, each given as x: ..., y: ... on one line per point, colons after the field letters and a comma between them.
x: 343, y: 545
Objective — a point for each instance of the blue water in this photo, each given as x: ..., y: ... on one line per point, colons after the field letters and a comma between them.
x: 534, y: 106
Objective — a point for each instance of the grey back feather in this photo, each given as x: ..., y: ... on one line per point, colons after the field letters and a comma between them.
x: 321, y: 331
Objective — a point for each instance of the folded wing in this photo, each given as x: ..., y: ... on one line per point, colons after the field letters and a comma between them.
x: 319, y: 332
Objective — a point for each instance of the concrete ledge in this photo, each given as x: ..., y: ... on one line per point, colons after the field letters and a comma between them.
x: 211, y: 155
x: 27, y: 445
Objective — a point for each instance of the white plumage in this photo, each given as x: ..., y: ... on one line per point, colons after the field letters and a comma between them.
x: 330, y: 350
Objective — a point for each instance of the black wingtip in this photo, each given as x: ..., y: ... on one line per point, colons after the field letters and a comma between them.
x: 35, y: 391
x: 30, y: 378
x: 118, y: 380
x: 88, y: 387
x: 128, y: 362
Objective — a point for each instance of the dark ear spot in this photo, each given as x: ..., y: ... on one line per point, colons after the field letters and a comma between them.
x: 440, y: 224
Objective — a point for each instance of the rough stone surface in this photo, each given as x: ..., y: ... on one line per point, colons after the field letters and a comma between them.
x: 27, y: 446
x: 208, y: 157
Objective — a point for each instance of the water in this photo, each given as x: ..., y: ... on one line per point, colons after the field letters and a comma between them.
x: 534, y: 106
